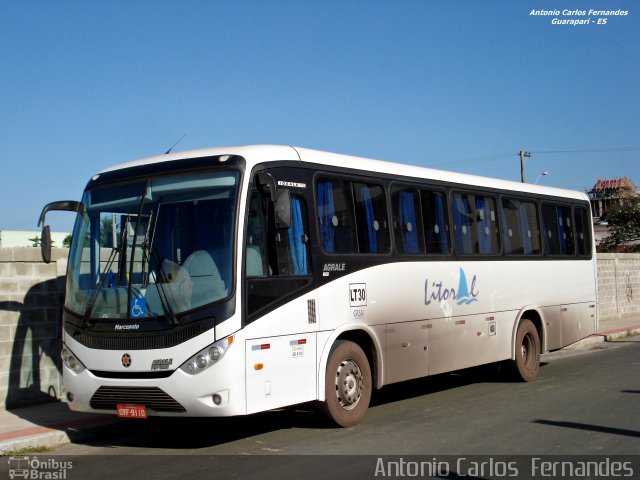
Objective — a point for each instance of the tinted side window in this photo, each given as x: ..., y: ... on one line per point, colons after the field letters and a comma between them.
x: 520, y: 228
x: 407, y: 221
x: 371, y: 218
x: 292, y: 243
x: 475, y: 224
x: 464, y: 235
x: 335, y: 216
x: 583, y: 231
x: 487, y: 226
x: 558, y: 230
x: 256, y: 258
x: 272, y: 251
x: 277, y: 260
x: 436, y: 222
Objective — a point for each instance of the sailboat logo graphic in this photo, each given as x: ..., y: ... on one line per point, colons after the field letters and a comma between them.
x: 440, y: 292
x: 464, y: 296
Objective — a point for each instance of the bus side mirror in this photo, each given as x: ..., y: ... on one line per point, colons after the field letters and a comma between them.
x: 283, y: 209
x: 45, y: 244
x: 266, y: 181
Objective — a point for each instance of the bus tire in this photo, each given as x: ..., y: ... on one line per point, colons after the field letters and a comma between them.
x: 527, y: 361
x: 347, y: 384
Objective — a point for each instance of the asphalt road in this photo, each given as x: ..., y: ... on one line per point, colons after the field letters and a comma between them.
x: 584, y: 402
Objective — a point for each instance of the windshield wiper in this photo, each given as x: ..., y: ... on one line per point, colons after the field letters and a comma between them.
x: 147, y: 252
x: 133, y: 248
x: 162, y: 293
x: 148, y: 255
x: 94, y: 296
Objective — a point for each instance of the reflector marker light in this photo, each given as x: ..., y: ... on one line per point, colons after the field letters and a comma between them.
x: 264, y: 346
x: 302, y: 341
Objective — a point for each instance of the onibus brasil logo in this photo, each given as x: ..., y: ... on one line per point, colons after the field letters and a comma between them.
x: 439, y: 292
x: 38, y: 469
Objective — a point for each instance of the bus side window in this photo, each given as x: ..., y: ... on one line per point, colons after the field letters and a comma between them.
x: 407, y: 221
x: 475, y: 224
x: 436, y: 223
x: 487, y: 226
x: 371, y: 218
x: 565, y: 218
x: 292, y: 243
x: 335, y: 216
x: 255, y: 261
x: 463, y: 222
x: 558, y: 230
x: 520, y: 229
x: 583, y: 231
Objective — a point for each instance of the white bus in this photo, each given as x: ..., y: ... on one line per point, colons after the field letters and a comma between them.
x: 236, y: 280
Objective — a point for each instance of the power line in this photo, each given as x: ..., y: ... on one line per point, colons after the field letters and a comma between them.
x: 471, y: 161
x: 501, y: 156
x: 593, y: 150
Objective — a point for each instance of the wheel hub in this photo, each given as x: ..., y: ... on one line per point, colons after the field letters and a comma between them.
x: 349, y: 384
x: 526, y: 348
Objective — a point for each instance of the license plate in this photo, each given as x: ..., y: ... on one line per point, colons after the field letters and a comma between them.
x: 132, y: 411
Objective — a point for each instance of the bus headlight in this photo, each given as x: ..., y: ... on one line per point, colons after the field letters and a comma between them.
x: 215, y: 353
x: 201, y: 361
x: 71, y: 361
x: 207, y: 357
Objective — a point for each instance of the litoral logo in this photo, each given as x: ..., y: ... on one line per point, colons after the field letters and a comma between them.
x: 126, y: 360
x: 439, y: 292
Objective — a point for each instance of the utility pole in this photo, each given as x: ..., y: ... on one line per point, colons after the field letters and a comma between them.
x: 523, y: 156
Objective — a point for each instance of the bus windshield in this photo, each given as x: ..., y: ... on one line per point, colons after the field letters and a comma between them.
x: 153, y: 247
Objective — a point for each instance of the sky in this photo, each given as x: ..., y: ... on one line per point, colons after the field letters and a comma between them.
x: 459, y: 85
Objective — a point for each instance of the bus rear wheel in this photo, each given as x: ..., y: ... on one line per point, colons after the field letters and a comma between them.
x: 527, y: 361
x: 347, y: 384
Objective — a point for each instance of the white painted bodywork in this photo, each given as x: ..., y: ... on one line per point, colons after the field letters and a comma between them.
x: 412, y: 333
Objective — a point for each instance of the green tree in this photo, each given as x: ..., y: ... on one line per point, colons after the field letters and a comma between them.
x: 37, y: 241
x: 67, y: 241
x: 106, y: 231
x: 624, y: 225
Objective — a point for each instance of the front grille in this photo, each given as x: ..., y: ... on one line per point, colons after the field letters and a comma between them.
x: 129, y: 375
x: 106, y: 398
x: 138, y: 341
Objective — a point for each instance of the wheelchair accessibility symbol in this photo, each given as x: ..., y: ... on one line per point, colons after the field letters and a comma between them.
x: 138, y: 307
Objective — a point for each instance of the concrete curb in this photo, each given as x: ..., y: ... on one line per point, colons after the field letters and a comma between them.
x: 37, y: 441
x: 49, y: 438
x: 608, y: 336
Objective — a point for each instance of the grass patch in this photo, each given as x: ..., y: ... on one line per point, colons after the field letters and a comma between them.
x: 21, y: 452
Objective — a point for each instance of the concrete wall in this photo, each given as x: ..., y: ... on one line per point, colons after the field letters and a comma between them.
x: 31, y: 294
x: 11, y: 238
x: 619, y: 285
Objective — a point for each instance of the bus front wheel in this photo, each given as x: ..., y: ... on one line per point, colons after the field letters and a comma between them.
x: 527, y: 361
x: 347, y: 384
